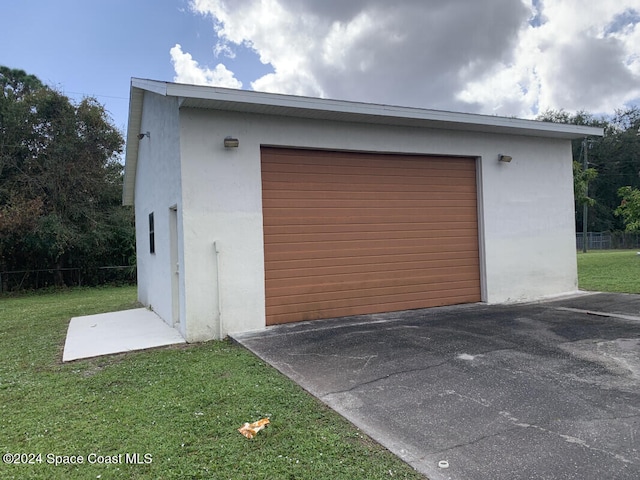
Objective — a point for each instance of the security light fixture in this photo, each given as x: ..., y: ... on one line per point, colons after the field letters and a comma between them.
x: 142, y: 135
x: 505, y: 158
x: 230, y: 142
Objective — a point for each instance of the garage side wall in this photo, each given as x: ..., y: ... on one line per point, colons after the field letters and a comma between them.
x: 525, y: 207
x: 529, y: 225
x: 157, y: 189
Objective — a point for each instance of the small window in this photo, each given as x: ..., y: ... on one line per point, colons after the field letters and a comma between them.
x: 152, y: 238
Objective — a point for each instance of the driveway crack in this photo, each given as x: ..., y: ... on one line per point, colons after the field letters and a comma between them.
x: 384, y: 377
x: 518, y: 424
x: 471, y: 442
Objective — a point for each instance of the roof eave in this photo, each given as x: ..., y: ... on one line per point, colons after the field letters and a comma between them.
x: 258, y: 102
x: 136, y: 96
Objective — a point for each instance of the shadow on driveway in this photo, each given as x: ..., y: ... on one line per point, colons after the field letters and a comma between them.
x: 538, y: 391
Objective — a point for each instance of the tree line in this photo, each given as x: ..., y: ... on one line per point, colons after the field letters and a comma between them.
x: 610, y: 185
x: 60, y: 186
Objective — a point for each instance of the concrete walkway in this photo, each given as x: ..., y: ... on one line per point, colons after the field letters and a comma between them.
x: 501, y: 392
x: 117, y: 332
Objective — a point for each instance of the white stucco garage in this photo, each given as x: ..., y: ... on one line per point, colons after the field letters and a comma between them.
x: 330, y: 208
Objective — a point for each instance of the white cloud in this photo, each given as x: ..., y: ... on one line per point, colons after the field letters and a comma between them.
x: 223, y: 48
x: 506, y: 57
x: 188, y: 71
x: 577, y: 59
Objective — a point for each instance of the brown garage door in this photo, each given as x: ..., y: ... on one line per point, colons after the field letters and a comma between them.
x: 354, y: 233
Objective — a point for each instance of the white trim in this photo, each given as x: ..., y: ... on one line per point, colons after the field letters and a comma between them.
x: 304, y: 106
x: 482, y: 253
x: 136, y: 96
x: 150, y: 85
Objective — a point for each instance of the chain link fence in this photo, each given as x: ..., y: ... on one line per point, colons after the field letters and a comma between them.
x: 608, y: 240
x: 19, y: 280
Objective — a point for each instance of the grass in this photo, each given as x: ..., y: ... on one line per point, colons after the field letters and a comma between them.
x: 180, y: 405
x: 609, y: 271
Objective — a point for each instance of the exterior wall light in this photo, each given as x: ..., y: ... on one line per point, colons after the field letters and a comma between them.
x: 230, y: 142
x: 142, y: 135
x: 504, y: 158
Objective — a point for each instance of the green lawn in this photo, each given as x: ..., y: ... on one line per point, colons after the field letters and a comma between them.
x: 181, y: 406
x: 609, y: 271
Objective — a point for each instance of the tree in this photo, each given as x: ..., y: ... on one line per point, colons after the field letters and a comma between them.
x: 581, y: 180
x: 616, y: 159
x: 629, y: 208
x: 60, y: 180
x: 582, y: 177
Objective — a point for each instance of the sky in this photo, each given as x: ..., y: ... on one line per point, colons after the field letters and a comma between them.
x: 496, y: 57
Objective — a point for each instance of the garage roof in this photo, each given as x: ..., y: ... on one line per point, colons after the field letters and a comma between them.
x: 217, y: 98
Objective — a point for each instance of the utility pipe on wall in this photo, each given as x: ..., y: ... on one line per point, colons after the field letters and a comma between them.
x: 216, y: 249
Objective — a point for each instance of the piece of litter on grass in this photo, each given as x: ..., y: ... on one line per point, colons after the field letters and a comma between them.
x: 250, y: 430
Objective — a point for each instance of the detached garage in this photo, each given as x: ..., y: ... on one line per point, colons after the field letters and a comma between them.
x: 256, y: 209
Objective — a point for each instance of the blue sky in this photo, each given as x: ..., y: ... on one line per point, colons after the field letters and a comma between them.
x: 94, y: 47
x: 501, y: 57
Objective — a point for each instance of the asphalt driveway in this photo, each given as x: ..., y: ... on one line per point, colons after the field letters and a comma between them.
x: 537, y: 391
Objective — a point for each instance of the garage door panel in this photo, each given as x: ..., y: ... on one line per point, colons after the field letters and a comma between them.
x: 366, y: 220
x: 365, y: 161
x: 339, y: 255
x: 366, y: 228
x: 281, y: 268
x: 363, y: 284
x: 370, y: 214
x: 347, y: 233
x: 367, y: 192
x: 363, y: 280
x: 309, y: 268
x: 305, y: 238
x: 347, y: 298
x: 297, y: 267
x: 294, y: 313
x: 272, y: 198
x: 329, y: 188
x: 317, y: 159
x: 398, y: 273
x: 390, y: 181
x: 316, y: 235
x: 364, y: 246
x: 364, y: 173
x: 340, y: 258
x: 371, y: 203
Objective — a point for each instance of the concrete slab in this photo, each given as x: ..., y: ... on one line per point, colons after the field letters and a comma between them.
x: 499, y: 391
x: 607, y: 304
x: 117, y: 332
